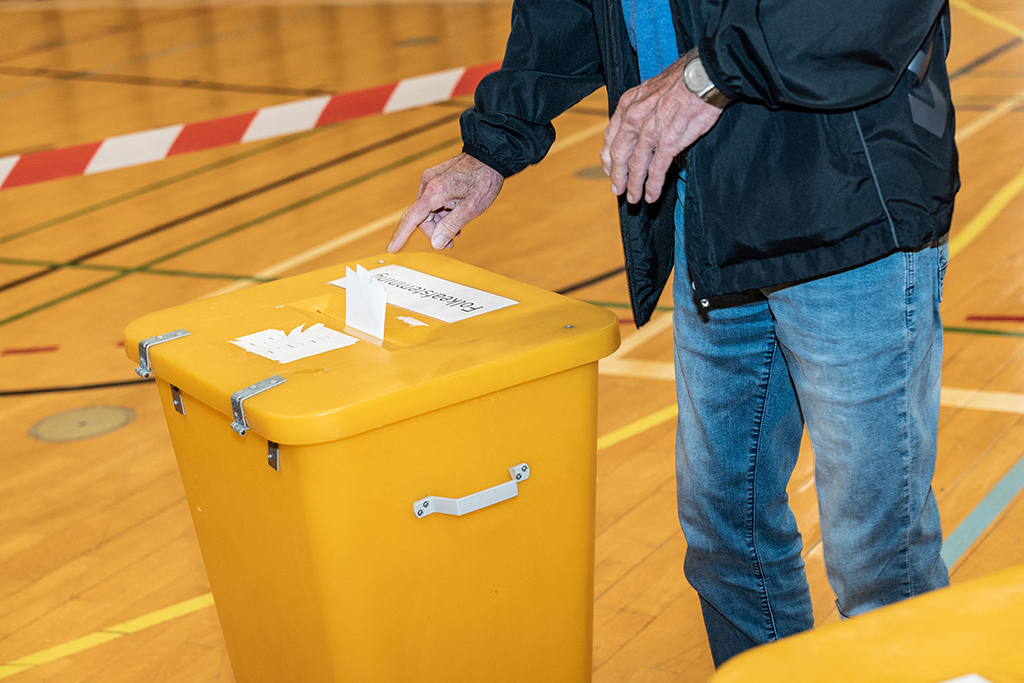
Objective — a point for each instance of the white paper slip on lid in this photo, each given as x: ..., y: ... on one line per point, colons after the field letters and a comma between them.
x: 432, y: 296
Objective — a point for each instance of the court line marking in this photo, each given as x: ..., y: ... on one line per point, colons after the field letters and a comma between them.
x: 106, y: 635
x: 983, y: 515
x: 979, y: 519
x: 239, y: 198
x: 178, y: 49
x: 945, y: 328
x: 314, y: 253
x: 984, y: 218
x: 158, y: 185
x: 1010, y: 485
x: 995, y: 206
x: 187, y: 84
x: 127, y: 270
x: 105, y: 32
x: 984, y: 120
x: 951, y: 397
x: 986, y: 17
x: 971, y: 67
x: 565, y: 143
x: 236, y: 229
x: 15, y: 351
x: 958, y: 542
x: 976, y: 330
x: 373, y: 226
x: 640, y: 426
x: 187, y: 607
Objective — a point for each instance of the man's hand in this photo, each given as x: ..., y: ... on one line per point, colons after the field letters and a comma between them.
x: 652, y: 123
x: 451, y: 195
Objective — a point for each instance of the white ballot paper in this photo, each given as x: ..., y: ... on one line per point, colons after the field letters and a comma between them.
x: 297, y: 344
x: 366, y: 301
x: 431, y: 296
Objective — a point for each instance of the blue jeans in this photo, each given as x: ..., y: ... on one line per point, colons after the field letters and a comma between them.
x: 857, y: 355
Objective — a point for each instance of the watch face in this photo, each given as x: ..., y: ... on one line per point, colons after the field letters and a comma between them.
x: 695, y: 76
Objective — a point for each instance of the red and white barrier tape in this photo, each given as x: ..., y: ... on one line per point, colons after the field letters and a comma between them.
x: 134, y: 149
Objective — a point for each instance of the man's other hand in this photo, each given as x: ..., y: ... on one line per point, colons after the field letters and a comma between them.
x: 653, y: 123
x: 451, y: 195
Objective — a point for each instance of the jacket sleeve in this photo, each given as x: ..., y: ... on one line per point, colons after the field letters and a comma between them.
x: 814, y: 54
x: 551, y: 63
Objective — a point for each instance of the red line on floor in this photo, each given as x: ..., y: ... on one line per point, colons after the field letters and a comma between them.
x: 33, y: 349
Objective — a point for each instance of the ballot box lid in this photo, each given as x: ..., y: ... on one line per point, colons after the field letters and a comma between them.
x: 442, y: 344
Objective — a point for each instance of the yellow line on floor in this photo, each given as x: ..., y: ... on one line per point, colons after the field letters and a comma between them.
x: 983, y: 121
x: 316, y: 252
x: 639, y: 427
x: 106, y: 635
x: 996, y: 205
x: 986, y: 17
x: 987, y: 215
x: 390, y: 220
x: 181, y: 609
x: 635, y: 340
x: 999, y: 401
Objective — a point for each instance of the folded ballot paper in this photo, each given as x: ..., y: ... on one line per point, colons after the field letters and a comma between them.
x: 417, y: 292
x: 366, y: 301
x: 367, y: 294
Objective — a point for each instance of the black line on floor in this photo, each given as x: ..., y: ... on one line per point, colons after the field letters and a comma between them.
x: 79, y: 387
x: 192, y: 84
x: 233, y: 200
x: 592, y: 281
x: 985, y: 58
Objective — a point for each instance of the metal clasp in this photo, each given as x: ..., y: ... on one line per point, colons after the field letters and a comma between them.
x: 240, y: 425
x: 145, y: 371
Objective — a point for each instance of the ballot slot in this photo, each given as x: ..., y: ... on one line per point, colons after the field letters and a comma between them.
x: 401, y: 329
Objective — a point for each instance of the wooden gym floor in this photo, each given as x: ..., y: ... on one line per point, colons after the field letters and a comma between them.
x: 100, y: 573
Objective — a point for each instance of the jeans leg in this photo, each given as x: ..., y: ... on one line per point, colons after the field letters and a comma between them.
x: 737, y: 443
x: 864, y: 349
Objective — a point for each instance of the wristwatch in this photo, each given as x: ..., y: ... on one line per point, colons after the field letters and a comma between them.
x: 697, y: 81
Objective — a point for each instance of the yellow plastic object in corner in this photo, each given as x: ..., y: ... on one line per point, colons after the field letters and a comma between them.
x: 974, y: 627
x: 323, y: 570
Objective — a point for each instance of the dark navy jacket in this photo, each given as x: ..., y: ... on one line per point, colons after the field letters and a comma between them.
x: 833, y: 155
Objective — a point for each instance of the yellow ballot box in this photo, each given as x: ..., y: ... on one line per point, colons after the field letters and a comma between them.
x: 413, y: 508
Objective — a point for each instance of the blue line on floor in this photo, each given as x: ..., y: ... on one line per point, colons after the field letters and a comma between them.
x: 982, y: 516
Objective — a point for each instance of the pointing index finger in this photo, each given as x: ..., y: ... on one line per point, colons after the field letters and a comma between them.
x: 413, y: 217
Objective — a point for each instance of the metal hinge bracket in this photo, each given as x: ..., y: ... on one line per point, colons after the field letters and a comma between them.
x: 145, y: 371
x: 240, y: 425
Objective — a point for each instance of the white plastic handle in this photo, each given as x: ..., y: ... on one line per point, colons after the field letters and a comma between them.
x: 474, y: 501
